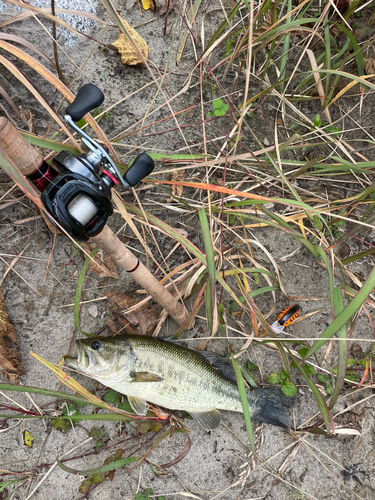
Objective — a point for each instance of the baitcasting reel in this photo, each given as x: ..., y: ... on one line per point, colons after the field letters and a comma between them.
x: 79, y: 198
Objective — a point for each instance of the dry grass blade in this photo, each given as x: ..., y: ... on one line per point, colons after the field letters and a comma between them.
x: 13, y: 69
x: 318, y: 83
x: 9, y: 100
x: 31, y: 46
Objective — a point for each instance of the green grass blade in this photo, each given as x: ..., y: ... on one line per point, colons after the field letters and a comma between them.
x: 44, y: 392
x: 211, y: 297
x: 343, y: 348
x: 327, y: 417
x: 285, y: 53
x: 98, y: 470
x: 244, y: 402
x: 78, y: 295
x: 346, y: 314
x: 47, y: 143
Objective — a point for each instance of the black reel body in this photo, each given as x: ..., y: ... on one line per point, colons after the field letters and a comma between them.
x: 78, y: 198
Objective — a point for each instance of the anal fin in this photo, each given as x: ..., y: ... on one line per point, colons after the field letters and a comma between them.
x: 209, y: 420
x: 139, y: 406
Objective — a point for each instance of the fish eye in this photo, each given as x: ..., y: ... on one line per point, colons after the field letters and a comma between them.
x: 95, y: 345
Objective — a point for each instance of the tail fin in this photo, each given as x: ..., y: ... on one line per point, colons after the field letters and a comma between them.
x: 270, y: 406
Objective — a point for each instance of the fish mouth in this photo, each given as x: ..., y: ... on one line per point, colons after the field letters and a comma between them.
x: 85, y: 357
x: 83, y: 361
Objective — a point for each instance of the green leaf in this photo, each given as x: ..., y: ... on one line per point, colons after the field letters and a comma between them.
x: 111, y: 396
x: 302, y: 352
x: 70, y: 409
x: 362, y: 362
x: 334, y: 370
x: 217, y: 103
x: 61, y: 424
x: 329, y: 389
x: 219, y: 112
x: 283, y: 374
x: 124, y: 405
x: 98, y: 478
x: 144, y: 427
x: 85, y: 486
x: 81, y: 123
x: 156, y: 426
x: 351, y: 375
x: 288, y: 388
x: 351, y: 362
x: 309, y: 370
x: 97, y: 433
x: 274, y: 378
x: 317, y: 223
x: 251, y: 366
x: 323, y: 378
x: 317, y: 121
x: 99, y: 444
x: 333, y: 130
x: 119, y: 454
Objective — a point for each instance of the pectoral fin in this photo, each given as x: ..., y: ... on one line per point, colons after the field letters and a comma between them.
x: 145, y: 377
x: 139, y: 406
x: 208, y: 419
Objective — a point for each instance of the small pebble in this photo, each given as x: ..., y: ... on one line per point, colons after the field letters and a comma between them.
x: 266, y: 142
x: 93, y: 310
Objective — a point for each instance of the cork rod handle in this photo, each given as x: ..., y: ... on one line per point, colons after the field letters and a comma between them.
x: 22, y: 154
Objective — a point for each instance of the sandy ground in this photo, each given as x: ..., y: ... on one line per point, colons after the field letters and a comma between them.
x: 218, y: 464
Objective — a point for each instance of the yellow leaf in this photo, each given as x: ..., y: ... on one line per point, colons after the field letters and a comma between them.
x: 125, y: 48
x: 148, y: 4
x: 28, y: 439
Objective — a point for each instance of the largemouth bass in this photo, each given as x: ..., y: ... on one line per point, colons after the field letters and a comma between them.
x: 149, y: 369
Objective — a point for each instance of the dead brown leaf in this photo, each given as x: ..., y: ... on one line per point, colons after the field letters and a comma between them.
x: 351, y: 419
x: 125, y: 48
x: 178, y: 176
x: 10, y: 358
x: 161, y: 7
x: 101, y: 264
x: 370, y: 66
x: 266, y: 24
x: 141, y: 321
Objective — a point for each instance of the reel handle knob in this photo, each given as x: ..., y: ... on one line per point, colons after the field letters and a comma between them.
x: 142, y: 166
x: 88, y: 98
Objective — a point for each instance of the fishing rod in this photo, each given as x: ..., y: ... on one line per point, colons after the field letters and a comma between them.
x: 76, y: 192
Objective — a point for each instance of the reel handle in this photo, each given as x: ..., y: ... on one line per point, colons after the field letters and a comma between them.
x: 142, y: 166
x: 88, y: 98
x: 22, y: 153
